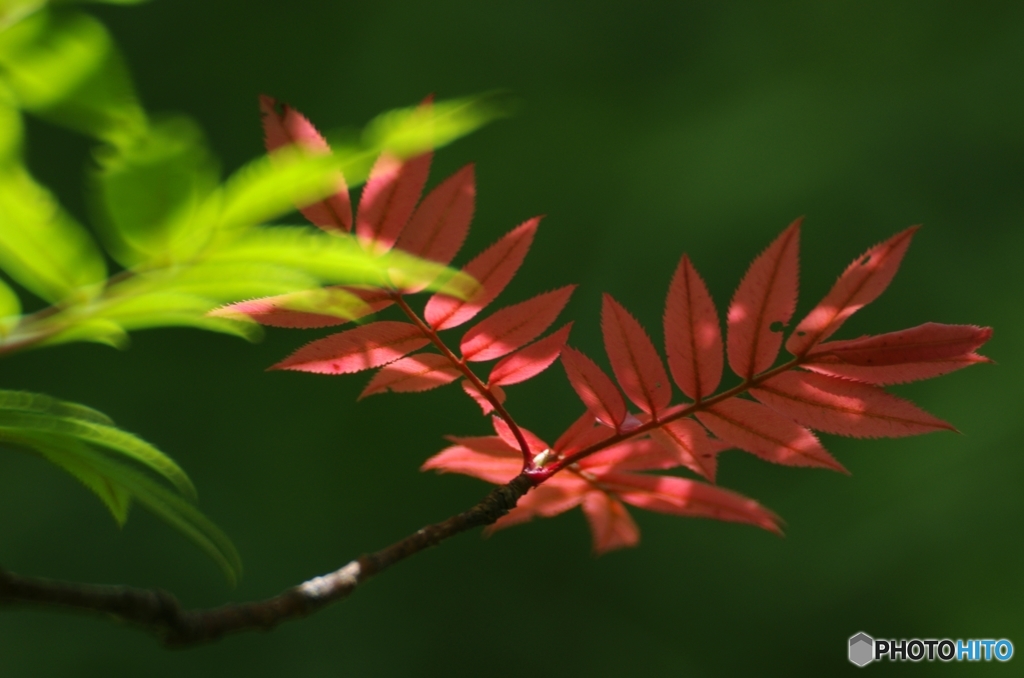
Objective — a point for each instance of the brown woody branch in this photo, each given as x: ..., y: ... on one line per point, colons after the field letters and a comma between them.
x: 159, y: 612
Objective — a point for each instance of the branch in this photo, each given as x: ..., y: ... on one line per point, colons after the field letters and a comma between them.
x: 160, y: 613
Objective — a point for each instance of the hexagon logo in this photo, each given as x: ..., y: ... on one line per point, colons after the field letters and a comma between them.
x: 862, y: 649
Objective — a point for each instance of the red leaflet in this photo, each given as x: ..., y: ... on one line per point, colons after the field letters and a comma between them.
x: 844, y: 407
x: 388, y: 199
x: 420, y: 372
x: 924, y: 343
x: 763, y: 304
x: 354, y: 350
x: 693, y: 338
x: 530, y: 361
x: 493, y: 269
x: 514, y: 326
x: 594, y: 388
x: 288, y: 126
x: 684, y: 497
x: 641, y: 454
x: 859, y: 285
x: 487, y: 458
x: 759, y: 430
x: 504, y: 432
x: 893, y: 374
x: 480, y: 398
x: 634, y: 361
x: 691, y: 445
x: 440, y: 224
x: 610, y: 523
x: 280, y: 311
x: 583, y: 433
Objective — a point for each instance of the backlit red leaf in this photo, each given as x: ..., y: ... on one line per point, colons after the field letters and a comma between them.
x: 278, y: 311
x: 859, y: 285
x: 610, y: 523
x: 283, y: 125
x: 583, y: 433
x: 634, y: 360
x: 693, y: 337
x: 439, y: 225
x: 893, y: 374
x: 690, y: 443
x: 924, y: 343
x: 753, y: 427
x: 389, y: 198
x: 420, y: 372
x: 530, y: 361
x: 485, y: 458
x: 763, y: 304
x: 504, y: 431
x: 594, y: 388
x: 683, y: 497
x: 493, y: 269
x: 641, y: 454
x: 848, y: 408
x: 480, y: 399
x: 513, y: 326
x: 358, y: 349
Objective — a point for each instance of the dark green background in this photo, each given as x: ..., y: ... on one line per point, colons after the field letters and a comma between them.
x: 645, y: 130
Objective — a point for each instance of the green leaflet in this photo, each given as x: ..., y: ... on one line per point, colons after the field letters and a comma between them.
x: 10, y: 308
x: 75, y: 457
x: 117, y: 483
x: 147, y: 185
x: 108, y: 437
x: 406, y: 132
x: 24, y: 401
x: 164, y: 309
x: 11, y: 131
x: 98, y: 330
x: 41, y: 246
x: 63, y: 66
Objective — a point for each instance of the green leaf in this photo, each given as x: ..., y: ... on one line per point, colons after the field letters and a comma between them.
x: 10, y: 308
x: 24, y: 401
x: 407, y: 132
x: 148, y: 184
x: 97, y: 330
x: 75, y: 457
x: 11, y: 131
x: 116, y: 483
x: 63, y: 66
x: 41, y: 246
x: 108, y: 437
x: 165, y: 309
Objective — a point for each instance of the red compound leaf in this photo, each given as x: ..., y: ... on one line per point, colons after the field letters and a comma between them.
x: 420, y: 372
x: 763, y: 304
x: 283, y: 125
x: 859, y: 285
x: 493, y: 269
x: 594, y: 388
x: 682, y: 497
x: 388, y: 199
x: 528, y: 362
x: 756, y: 429
x: 355, y: 350
x: 440, y: 224
x: 514, y: 326
x: 693, y: 337
x: 280, y: 311
x: 610, y: 523
x: 634, y: 360
x: 843, y: 407
x: 691, y: 445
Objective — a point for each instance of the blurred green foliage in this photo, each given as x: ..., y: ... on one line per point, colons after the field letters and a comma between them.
x: 186, y: 242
